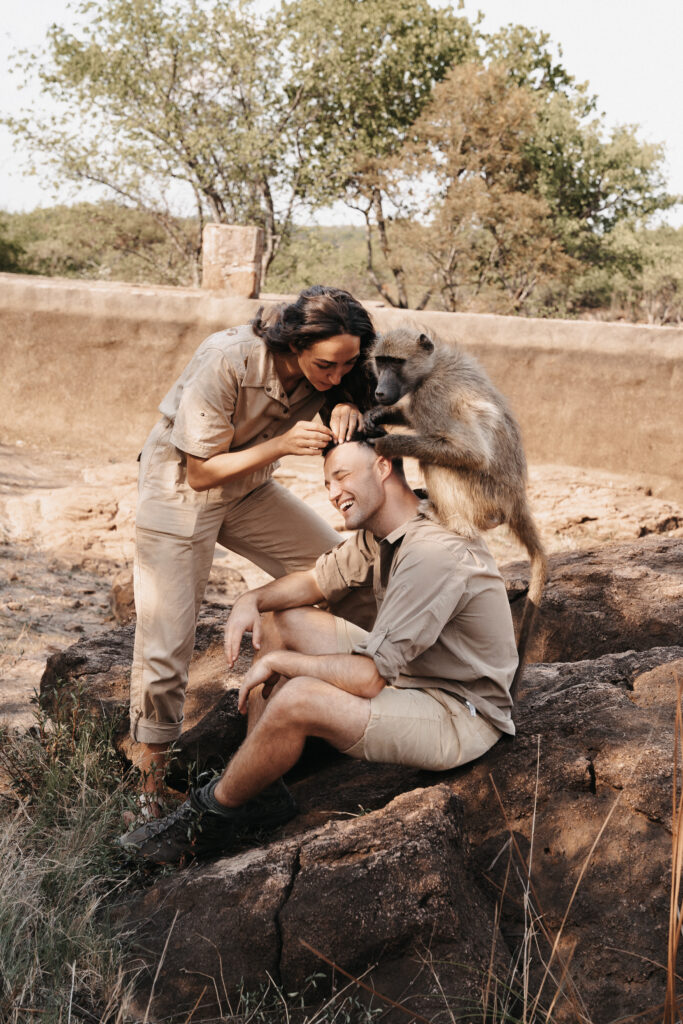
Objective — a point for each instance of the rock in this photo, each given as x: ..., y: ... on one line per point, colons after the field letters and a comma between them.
x: 584, y: 790
x: 594, y: 750
x: 96, y: 671
x: 121, y: 598
x: 383, y: 886
x: 618, y: 597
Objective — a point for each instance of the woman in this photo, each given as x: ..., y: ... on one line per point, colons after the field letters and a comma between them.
x: 247, y: 397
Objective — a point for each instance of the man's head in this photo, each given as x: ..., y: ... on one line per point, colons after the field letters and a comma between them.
x: 369, y: 490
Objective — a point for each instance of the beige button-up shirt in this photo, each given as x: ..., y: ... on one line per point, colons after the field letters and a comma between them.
x: 443, y: 615
x: 229, y: 397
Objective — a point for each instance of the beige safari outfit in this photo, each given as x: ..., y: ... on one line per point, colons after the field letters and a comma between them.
x: 443, y: 641
x: 228, y: 398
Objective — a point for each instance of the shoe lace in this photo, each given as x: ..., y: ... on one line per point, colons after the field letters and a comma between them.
x: 160, y: 825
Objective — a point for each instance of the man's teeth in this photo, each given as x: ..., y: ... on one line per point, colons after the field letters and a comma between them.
x: 346, y: 505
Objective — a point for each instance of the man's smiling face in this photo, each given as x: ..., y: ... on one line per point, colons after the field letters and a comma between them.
x: 354, y: 483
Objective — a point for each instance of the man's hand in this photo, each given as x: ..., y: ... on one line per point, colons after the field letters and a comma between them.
x: 344, y: 421
x: 244, y: 617
x: 260, y: 672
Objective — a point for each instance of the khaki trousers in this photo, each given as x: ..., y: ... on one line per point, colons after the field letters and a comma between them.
x: 176, y: 533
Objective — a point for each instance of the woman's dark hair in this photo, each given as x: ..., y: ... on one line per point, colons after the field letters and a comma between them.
x: 321, y: 312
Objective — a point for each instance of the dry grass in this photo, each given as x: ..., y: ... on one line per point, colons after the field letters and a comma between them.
x: 63, y: 959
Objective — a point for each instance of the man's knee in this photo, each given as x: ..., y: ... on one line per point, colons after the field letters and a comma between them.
x: 271, y: 629
x: 293, y: 701
x: 290, y: 626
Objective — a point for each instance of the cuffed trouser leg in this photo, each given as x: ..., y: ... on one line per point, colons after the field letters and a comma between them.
x: 170, y: 579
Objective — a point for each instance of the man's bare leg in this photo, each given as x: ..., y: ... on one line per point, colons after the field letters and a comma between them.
x: 307, y: 630
x: 298, y: 708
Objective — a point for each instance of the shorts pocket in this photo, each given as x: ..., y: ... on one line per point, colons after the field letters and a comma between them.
x: 160, y: 517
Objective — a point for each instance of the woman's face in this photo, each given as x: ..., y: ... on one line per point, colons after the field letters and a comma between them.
x: 326, y: 362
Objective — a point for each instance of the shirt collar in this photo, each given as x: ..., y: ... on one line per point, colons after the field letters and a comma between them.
x: 399, y: 533
x: 261, y: 373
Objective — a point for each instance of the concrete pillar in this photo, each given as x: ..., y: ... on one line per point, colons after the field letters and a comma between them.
x: 231, y: 259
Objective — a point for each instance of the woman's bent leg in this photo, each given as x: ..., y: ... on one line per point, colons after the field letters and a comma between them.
x: 170, y: 577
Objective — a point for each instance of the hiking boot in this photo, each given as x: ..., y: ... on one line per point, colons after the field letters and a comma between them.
x: 200, y: 827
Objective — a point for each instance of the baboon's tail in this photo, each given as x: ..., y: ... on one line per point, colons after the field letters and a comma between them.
x: 525, y: 529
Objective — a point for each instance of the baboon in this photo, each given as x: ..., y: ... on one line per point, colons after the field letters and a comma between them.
x: 467, y: 441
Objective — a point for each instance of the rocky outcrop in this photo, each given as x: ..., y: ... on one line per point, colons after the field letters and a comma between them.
x: 567, y: 828
x: 386, y: 887
x: 580, y: 799
x: 617, y: 597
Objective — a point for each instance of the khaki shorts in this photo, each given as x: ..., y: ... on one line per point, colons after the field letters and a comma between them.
x: 423, y: 727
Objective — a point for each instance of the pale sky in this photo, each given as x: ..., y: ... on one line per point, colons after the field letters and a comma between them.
x: 628, y: 50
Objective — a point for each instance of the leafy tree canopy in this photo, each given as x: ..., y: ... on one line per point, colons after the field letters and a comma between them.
x: 382, y: 103
x: 249, y: 115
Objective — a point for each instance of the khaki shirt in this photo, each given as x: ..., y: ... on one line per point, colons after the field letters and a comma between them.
x: 443, y: 615
x: 229, y: 397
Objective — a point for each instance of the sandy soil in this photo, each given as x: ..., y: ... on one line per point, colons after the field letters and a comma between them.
x: 67, y: 528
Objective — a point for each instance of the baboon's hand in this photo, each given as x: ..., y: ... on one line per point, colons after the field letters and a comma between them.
x: 372, y: 421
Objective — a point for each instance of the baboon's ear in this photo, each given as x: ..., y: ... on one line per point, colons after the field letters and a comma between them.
x: 425, y: 343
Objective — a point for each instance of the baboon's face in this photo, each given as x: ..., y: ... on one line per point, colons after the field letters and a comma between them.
x: 402, y: 360
x: 391, y: 383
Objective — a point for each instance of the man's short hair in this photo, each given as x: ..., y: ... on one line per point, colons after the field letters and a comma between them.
x: 362, y: 437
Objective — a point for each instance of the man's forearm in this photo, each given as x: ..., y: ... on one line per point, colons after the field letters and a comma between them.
x: 296, y: 590
x: 354, y: 673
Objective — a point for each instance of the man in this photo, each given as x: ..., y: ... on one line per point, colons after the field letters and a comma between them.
x: 428, y: 686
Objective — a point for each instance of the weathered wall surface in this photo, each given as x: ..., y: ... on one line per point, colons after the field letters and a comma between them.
x: 85, y: 364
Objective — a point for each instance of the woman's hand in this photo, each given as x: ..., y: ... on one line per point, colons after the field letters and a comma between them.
x: 344, y: 421
x: 306, y: 438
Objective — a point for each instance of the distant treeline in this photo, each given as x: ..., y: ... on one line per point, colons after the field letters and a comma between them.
x: 106, y: 241
x: 480, y: 170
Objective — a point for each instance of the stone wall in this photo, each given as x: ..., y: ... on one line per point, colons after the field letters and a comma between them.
x: 84, y: 365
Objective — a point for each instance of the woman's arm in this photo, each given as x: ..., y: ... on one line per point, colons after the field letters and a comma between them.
x: 303, y: 438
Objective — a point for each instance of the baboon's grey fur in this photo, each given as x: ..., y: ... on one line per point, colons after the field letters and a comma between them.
x: 467, y: 441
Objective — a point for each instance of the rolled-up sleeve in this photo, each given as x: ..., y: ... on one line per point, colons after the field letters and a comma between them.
x: 424, y: 592
x: 346, y: 567
x: 203, y: 423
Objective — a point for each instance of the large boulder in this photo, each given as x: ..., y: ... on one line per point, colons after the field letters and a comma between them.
x: 385, y: 886
x: 567, y: 827
x: 581, y: 800
x: 617, y: 597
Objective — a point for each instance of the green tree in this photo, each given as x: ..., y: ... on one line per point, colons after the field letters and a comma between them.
x: 475, y: 215
x: 100, y: 240
x: 249, y: 116
x: 509, y: 180
x: 372, y: 65
x: 161, y: 100
x: 12, y: 255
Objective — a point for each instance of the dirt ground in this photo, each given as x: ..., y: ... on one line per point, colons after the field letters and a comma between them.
x: 67, y: 534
